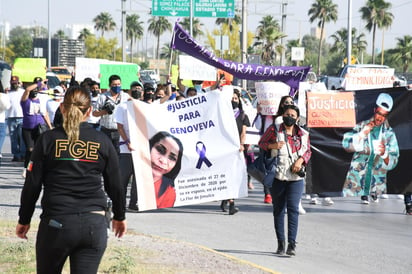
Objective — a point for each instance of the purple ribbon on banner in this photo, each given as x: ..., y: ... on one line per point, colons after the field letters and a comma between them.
x: 202, y: 155
x: 288, y: 75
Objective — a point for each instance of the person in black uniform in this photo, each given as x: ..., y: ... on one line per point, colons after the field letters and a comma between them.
x: 68, y: 163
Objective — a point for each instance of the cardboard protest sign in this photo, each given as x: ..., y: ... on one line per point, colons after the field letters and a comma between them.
x: 193, y: 69
x: 331, y: 109
x: 88, y: 68
x: 269, y: 95
x: 127, y: 72
x: 368, y: 78
x: 29, y: 68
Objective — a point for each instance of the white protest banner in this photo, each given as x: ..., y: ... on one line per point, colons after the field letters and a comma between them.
x: 368, y: 78
x: 200, y: 140
x: 269, y: 95
x: 193, y: 69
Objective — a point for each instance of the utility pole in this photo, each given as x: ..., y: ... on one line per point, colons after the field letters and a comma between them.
x: 283, y: 30
x: 244, y: 38
x: 123, y: 30
x: 349, y: 42
x: 49, y: 35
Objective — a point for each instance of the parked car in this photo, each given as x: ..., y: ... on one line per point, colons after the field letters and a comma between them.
x: 52, y: 79
x: 62, y: 73
x: 144, y: 78
x: 151, y: 73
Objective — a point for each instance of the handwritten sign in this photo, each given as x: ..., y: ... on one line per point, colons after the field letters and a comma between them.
x: 269, y: 95
x: 193, y: 69
x: 331, y: 109
x: 369, y: 78
x: 127, y: 72
x: 29, y: 68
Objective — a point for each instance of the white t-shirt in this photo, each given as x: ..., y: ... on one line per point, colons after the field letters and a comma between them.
x: 120, y: 117
x: 15, y: 110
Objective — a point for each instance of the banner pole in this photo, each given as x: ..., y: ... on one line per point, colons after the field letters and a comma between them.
x: 171, y: 50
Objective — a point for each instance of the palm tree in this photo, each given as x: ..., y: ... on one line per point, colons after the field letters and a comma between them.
x: 403, y: 51
x: 196, y: 24
x: 267, y: 37
x: 228, y: 21
x: 134, y: 30
x: 104, y: 22
x: 60, y: 34
x: 340, y: 38
x: 376, y: 15
x: 157, y: 26
x: 84, y: 33
x: 324, y: 11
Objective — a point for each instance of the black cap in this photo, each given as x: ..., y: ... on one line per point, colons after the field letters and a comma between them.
x: 148, y: 87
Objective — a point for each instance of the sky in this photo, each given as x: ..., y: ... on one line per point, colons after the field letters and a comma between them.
x: 63, y: 12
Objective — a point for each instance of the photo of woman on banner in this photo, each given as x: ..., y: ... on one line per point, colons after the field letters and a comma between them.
x: 166, y: 153
x: 376, y: 152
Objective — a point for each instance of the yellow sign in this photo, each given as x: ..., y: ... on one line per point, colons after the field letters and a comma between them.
x: 29, y: 68
x: 353, y: 60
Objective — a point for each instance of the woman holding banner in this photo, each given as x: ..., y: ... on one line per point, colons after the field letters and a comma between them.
x: 290, y: 143
x: 166, y: 152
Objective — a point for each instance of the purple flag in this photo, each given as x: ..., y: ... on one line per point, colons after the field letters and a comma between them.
x: 288, y: 75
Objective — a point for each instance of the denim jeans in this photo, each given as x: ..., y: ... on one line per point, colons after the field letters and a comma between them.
x: 286, y: 194
x: 2, y: 135
x: 18, y: 148
x: 82, y: 237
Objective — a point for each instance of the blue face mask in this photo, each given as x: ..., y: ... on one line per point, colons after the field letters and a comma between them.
x: 198, y: 88
x: 116, y: 89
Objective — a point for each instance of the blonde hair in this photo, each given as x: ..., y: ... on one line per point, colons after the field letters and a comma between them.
x: 76, y: 103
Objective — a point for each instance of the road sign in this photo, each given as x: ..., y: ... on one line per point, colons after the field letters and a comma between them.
x: 202, y: 8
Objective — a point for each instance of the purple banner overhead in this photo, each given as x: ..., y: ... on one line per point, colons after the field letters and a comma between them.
x: 288, y: 75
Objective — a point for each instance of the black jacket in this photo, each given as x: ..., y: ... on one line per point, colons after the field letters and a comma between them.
x: 71, y: 175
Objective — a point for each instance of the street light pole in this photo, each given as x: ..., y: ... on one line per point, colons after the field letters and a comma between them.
x: 349, y: 42
x: 244, y: 38
x: 49, y: 35
x: 123, y: 30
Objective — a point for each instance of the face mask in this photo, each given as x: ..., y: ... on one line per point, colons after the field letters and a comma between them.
x: 289, y: 121
x: 14, y: 86
x: 33, y: 94
x: 235, y: 104
x: 198, y: 88
x: 95, y: 93
x: 116, y: 89
x: 136, y: 94
x: 148, y: 96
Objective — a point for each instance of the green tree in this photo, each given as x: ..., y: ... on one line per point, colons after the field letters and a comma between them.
x: 60, y: 34
x: 197, y: 26
x: 102, y: 49
x: 20, y: 42
x: 376, y: 15
x: 158, y: 26
x: 134, y: 31
x: 84, y: 33
x: 403, y: 51
x: 268, y: 35
x: 104, y: 22
x: 324, y: 11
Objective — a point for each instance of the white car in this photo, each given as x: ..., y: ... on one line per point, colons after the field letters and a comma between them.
x: 151, y: 73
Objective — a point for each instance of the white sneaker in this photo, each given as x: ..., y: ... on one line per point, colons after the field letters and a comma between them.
x: 365, y: 202
x: 23, y: 174
x: 384, y: 196
x: 315, y: 201
x: 327, y: 201
x: 302, y: 211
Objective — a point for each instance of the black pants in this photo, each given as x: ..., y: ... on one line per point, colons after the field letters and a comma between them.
x: 81, y: 237
x: 126, y: 172
x: 114, y: 135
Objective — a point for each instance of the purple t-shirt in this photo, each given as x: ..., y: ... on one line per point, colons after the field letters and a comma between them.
x: 31, y: 113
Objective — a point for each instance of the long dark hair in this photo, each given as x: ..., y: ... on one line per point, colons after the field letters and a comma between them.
x: 171, y: 175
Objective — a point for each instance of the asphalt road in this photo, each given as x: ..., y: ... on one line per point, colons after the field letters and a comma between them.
x: 347, y: 237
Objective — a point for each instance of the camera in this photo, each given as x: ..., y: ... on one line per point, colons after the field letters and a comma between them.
x: 109, y: 107
x: 301, y: 172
